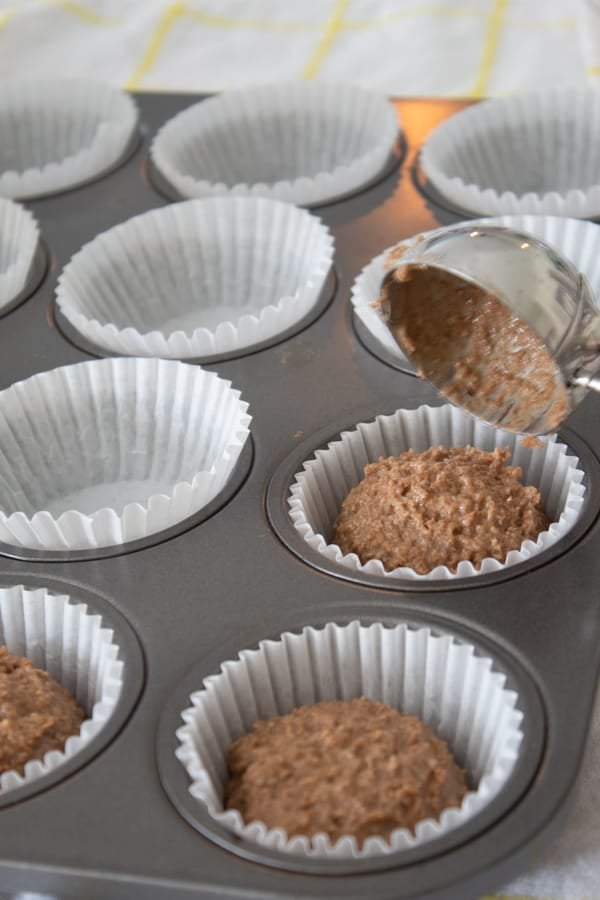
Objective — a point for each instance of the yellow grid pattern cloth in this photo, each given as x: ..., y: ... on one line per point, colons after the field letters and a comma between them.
x: 466, y: 48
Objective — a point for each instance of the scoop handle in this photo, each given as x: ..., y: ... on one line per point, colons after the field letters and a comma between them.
x: 585, y: 343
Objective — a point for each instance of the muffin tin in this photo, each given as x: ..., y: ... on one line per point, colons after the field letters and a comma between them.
x: 120, y: 822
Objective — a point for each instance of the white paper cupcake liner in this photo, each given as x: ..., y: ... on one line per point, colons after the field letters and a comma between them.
x: 19, y: 239
x: 60, y: 132
x: 318, y: 491
x: 303, y: 142
x: 68, y: 642
x: 197, y: 278
x: 527, y: 153
x: 445, y: 683
x: 109, y: 451
x: 577, y: 241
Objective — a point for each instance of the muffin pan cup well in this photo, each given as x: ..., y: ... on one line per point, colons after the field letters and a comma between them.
x: 305, y: 143
x: 59, y: 133
x: 197, y: 279
x: 526, y: 153
x: 122, y: 449
x: 83, y: 643
x: 435, y: 676
x: 197, y: 597
x: 322, y: 301
x: 22, y: 257
x: 325, y: 479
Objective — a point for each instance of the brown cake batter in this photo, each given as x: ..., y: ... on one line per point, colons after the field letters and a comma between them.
x: 344, y: 768
x: 437, y: 508
x: 473, y: 349
x: 37, y: 714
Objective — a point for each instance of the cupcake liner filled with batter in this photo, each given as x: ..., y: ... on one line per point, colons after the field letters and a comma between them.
x: 68, y: 642
x: 455, y: 691
x: 197, y: 278
x: 58, y: 133
x: 307, y: 143
x: 121, y: 448
x: 576, y: 240
x: 525, y: 153
x: 319, y: 490
x: 19, y: 242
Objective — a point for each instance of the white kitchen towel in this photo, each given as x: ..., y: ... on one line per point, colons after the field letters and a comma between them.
x: 466, y: 48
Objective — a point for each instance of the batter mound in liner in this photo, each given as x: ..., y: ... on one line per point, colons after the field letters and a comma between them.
x: 341, y: 768
x: 436, y: 508
x: 37, y: 714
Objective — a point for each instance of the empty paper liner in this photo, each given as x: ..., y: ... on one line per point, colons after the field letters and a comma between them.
x: 197, y: 278
x: 19, y: 241
x: 307, y: 143
x: 434, y: 677
x: 526, y: 153
x: 57, y: 133
x: 105, y: 452
x: 317, y: 493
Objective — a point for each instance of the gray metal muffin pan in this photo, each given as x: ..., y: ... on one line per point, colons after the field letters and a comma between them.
x: 121, y: 825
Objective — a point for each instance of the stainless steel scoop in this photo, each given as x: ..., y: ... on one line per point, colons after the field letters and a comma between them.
x: 498, y: 321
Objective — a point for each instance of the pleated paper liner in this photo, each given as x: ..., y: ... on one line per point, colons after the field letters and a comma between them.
x: 120, y: 449
x: 306, y: 143
x: 73, y: 645
x: 57, y: 133
x: 19, y: 251
x: 526, y: 153
x: 446, y: 683
x: 318, y: 490
x: 198, y: 278
x: 577, y: 241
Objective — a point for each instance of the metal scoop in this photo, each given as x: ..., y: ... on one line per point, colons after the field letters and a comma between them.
x: 498, y: 321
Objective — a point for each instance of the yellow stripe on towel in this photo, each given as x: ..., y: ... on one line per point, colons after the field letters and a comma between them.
x: 5, y: 17
x: 333, y: 26
x: 177, y: 10
x: 490, y: 48
x: 171, y: 13
x: 83, y: 12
